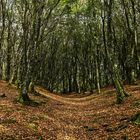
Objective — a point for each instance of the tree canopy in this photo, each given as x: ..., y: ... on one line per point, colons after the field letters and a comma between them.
x: 70, y: 45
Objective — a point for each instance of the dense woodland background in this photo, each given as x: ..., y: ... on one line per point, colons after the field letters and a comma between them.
x: 66, y: 68
x: 70, y: 45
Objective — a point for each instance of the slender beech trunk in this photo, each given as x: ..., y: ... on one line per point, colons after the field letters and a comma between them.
x: 8, y: 65
x: 130, y: 66
x: 97, y: 71
x: 3, y: 12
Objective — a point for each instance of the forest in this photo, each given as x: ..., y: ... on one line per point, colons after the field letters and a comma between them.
x: 69, y: 69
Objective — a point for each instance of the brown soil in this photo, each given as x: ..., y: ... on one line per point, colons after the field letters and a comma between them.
x: 95, y: 117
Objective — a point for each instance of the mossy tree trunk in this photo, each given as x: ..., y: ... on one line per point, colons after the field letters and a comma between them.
x: 121, y: 93
x: 112, y: 67
x: 24, y: 97
x: 2, y: 33
x: 131, y: 33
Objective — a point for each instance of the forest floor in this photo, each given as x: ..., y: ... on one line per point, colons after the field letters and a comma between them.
x: 69, y: 117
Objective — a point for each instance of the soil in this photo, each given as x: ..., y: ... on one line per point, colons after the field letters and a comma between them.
x: 69, y: 117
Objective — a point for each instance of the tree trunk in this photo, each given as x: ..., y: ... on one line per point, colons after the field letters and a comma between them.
x: 112, y: 68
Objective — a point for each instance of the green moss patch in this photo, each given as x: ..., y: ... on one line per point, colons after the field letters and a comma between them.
x: 136, y: 119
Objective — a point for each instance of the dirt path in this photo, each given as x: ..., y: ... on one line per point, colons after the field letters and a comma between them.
x: 73, y: 101
x: 83, y: 100
x: 95, y: 117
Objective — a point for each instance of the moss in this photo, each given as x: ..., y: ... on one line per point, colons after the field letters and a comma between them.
x: 120, y: 99
x: 29, y: 102
x: 32, y: 126
x: 136, y: 119
x: 120, y: 92
x: 22, y: 101
x: 136, y: 103
x: 17, y: 84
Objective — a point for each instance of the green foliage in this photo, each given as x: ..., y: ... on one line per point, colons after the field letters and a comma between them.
x: 69, y: 45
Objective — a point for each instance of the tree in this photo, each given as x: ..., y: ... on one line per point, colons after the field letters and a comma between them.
x: 69, y: 46
x: 112, y: 67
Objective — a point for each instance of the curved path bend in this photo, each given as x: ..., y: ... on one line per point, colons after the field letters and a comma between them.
x: 73, y: 101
